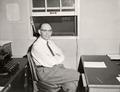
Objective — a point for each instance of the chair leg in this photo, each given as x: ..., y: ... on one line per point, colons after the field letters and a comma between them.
x: 35, y: 89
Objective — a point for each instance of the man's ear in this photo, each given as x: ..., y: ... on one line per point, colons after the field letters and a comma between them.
x: 39, y: 31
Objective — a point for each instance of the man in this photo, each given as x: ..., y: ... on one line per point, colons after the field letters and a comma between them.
x: 49, y: 57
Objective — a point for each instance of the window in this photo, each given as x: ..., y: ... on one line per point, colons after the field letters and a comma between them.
x: 61, y: 14
x: 62, y: 25
x: 53, y: 7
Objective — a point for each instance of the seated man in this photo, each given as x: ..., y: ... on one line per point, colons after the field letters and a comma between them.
x: 48, y: 57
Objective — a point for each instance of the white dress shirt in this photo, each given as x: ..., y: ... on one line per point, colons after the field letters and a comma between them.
x: 42, y: 55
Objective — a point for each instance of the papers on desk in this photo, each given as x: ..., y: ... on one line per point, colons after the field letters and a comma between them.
x: 94, y: 64
x: 114, y: 57
x: 1, y: 88
x: 118, y: 78
x: 4, y: 42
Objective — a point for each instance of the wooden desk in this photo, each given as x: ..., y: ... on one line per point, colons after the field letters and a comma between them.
x: 22, y: 65
x: 100, y: 79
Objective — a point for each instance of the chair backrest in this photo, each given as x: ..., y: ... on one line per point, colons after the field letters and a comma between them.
x: 45, y: 85
x: 32, y: 66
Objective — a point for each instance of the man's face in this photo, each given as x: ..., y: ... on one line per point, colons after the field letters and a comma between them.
x: 46, y: 34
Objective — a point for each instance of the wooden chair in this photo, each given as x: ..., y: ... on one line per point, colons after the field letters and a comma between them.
x: 38, y: 84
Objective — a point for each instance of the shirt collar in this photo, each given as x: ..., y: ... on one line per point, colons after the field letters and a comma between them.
x: 43, y: 40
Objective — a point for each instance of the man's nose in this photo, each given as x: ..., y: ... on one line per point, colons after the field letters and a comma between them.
x: 48, y: 32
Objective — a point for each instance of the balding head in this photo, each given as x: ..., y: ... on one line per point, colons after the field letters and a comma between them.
x: 45, y: 31
x: 46, y: 26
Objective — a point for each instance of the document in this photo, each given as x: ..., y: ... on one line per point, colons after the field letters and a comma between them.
x: 114, y: 57
x: 118, y: 78
x: 4, y: 42
x: 95, y: 64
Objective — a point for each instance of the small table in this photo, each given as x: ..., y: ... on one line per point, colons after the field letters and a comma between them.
x: 99, y: 79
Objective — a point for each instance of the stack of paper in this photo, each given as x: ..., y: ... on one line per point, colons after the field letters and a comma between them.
x: 118, y: 78
x: 114, y: 57
x: 4, y: 42
x: 95, y: 64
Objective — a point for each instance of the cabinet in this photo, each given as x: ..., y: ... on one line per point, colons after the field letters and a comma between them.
x: 54, y: 7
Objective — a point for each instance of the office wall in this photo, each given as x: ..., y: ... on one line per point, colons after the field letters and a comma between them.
x: 18, y: 30
x: 98, y: 29
x: 15, y: 28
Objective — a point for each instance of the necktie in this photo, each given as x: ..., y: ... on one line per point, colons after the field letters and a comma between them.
x: 50, y: 48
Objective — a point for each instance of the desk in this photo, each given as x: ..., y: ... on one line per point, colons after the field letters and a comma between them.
x: 100, y: 79
x: 8, y: 85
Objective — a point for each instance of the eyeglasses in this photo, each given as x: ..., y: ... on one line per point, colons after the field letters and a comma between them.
x: 46, y: 30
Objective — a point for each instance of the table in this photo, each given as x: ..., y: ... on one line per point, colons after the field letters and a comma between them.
x: 99, y: 79
x: 11, y: 79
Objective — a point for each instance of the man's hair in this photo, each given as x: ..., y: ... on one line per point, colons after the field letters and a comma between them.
x: 43, y: 24
x: 40, y: 26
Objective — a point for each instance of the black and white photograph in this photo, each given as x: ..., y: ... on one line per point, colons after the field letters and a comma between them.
x: 59, y: 45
